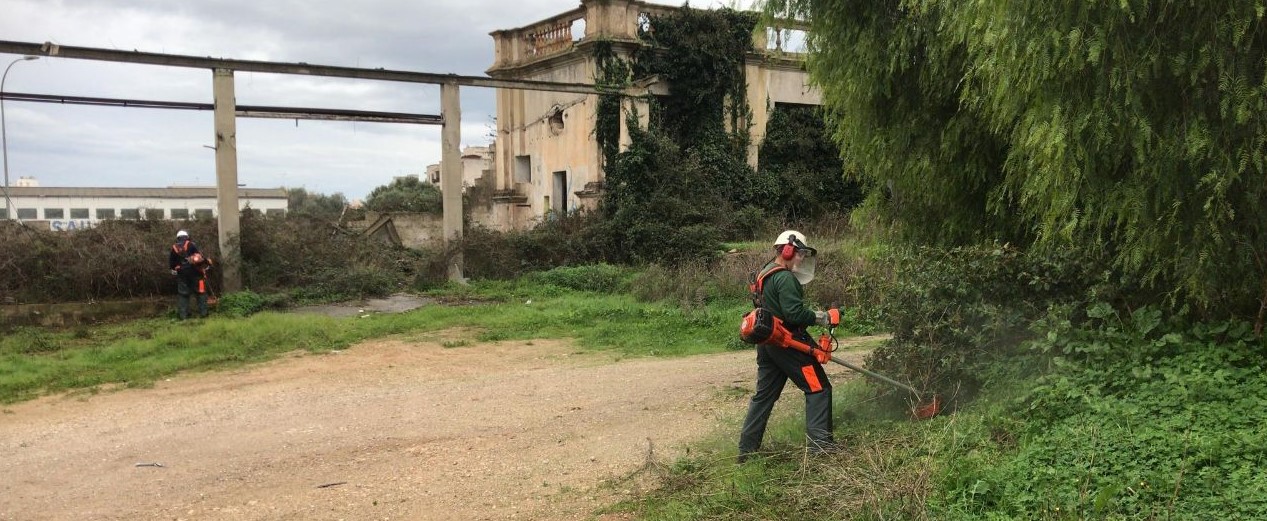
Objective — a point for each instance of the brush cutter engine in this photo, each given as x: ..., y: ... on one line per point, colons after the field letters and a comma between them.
x: 758, y: 326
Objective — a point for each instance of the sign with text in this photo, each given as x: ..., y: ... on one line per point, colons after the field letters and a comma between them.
x: 70, y: 225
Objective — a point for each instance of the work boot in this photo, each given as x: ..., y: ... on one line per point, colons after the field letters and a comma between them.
x: 823, y: 447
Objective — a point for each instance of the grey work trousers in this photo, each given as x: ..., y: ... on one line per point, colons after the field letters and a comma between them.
x: 775, y: 366
x: 187, y: 287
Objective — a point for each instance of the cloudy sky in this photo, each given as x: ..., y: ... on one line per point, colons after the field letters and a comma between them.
x: 113, y: 146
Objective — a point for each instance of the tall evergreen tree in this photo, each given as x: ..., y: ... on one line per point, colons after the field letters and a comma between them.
x: 1134, y: 129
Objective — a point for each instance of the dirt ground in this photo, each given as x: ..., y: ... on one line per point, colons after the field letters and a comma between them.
x: 396, y: 429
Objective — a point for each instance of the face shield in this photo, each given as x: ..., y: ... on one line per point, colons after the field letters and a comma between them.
x: 804, y: 271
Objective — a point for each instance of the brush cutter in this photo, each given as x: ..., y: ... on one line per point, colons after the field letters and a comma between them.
x: 212, y: 298
x: 925, y: 407
x: 760, y: 326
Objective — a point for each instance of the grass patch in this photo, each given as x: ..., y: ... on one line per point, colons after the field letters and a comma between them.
x: 887, y: 466
x: 35, y: 361
x: 1136, y: 421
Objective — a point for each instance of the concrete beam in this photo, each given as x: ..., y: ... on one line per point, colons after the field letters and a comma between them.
x: 227, y: 179
x: 243, y: 111
x: 200, y: 62
x: 451, y: 174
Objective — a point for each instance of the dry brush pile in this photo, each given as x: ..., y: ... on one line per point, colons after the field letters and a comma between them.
x: 128, y: 259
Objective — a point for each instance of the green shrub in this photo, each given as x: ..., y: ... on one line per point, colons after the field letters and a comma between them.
x: 241, y: 304
x: 600, y: 278
x: 1141, y: 418
x: 361, y: 282
x: 955, y: 312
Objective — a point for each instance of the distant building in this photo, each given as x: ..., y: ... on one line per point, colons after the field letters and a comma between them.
x: 72, y: 208
x: 407, y: 176
x: 476, y: 162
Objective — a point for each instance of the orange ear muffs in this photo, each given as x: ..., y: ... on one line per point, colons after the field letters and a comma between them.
x: 788, y: 252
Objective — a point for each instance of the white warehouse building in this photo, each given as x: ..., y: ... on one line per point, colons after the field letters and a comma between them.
x: 71, y: 208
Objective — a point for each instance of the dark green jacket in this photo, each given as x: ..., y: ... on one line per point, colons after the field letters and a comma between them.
x: 785, y: 297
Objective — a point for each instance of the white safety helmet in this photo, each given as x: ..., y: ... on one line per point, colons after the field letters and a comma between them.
x: 804, y: 272
x: 797, y: 240
x: 183, y: 234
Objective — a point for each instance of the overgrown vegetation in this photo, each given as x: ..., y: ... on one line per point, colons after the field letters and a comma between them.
x: 613, y: 75
x: 405, y: 194
x: 1132, y: 130
x: 1141, y: 418
x: 960, y: 315
x: 1076, y: 191
x: 315, y: 260
x: 306, y: 258
x: 684, y: 184
x: 324, y: 207
x: 801, y: 176
x: 1137, y: 417
x: 700, y: 53
x: 117, y: 259
x: 665, y: 198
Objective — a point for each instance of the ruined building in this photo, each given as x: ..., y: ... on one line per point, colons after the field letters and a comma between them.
x: 546, y: 158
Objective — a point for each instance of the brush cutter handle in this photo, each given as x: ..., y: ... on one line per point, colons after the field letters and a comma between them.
x: 880, y: 377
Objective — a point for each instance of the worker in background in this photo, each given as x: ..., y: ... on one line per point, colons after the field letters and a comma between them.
x: 190, y: 268
x: 781, y: 292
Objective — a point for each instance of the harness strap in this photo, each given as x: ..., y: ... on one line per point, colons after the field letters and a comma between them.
x: 758, y: 293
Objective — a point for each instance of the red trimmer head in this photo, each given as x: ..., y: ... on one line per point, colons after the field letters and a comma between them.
x: 926, y: 409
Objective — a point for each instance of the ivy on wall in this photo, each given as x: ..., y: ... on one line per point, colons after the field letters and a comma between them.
x: 612, y: 76
x: 685, y: 179
x: 679, y: 178
x: 700, y: 54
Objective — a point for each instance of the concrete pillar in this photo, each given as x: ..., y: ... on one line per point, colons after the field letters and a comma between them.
x: 758, y: 94
x: 611, y: 19
x: 505, y: 156
x: 230, y: 259
x: 630, y: 105
x: 451, y: 172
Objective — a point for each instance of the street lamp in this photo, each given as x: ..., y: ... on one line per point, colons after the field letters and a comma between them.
x: 4, y: 138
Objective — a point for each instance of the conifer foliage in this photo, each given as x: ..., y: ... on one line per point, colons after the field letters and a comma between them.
x: 1134, y: 129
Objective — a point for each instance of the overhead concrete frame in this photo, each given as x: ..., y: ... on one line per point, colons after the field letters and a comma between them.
x: 226, y: 127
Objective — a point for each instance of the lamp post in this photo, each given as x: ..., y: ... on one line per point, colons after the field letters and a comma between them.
x: 4, y: 138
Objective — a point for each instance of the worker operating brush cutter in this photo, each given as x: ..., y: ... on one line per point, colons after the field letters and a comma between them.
x: 785, y: 350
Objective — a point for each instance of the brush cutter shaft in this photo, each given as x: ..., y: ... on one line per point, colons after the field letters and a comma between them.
x: 880, y: 377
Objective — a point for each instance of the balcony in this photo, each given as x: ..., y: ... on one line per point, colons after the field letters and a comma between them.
x: 616, y: 21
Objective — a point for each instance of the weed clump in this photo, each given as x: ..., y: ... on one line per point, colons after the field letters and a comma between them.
x: 599, y: 278
x: 242, y: 304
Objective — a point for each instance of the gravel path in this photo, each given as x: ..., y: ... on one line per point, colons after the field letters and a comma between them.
x: 395, y: 429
